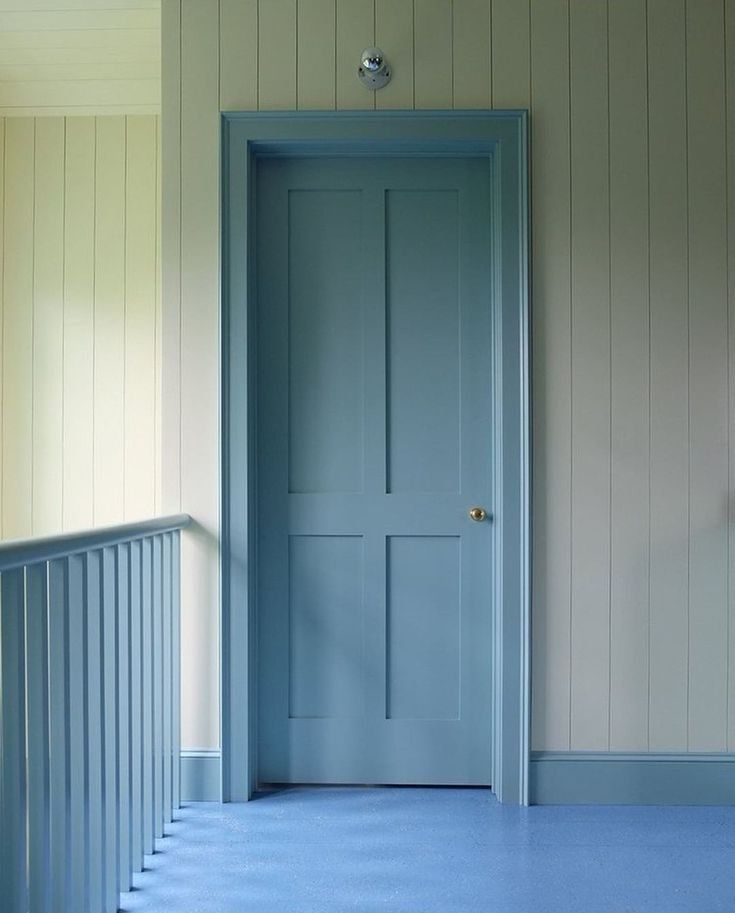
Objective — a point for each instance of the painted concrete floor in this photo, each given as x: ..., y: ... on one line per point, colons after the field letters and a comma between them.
x: 416, y: 850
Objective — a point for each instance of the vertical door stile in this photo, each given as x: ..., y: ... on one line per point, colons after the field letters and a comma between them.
x: 157, y: 619
x: 77, y: 757
x: 176, y: 667
x: 37, y: 737
x: 124, y: 859
x: 59, y: 723
x: 109, y: 731
x: 147, y: 696
x: 13, y: 884
x: 93, y: 703
x: 136, y: 706
x: 375, y: 306
x: 166, y: 673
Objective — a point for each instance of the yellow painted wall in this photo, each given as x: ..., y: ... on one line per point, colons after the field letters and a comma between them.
x: 633, y: 320
x: 80, y: 380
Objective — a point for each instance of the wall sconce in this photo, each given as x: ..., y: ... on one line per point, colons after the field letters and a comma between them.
x: 373, y: 72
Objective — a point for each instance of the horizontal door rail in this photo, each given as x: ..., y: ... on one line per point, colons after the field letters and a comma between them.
x: 21, y: 552
x: 89, y: 712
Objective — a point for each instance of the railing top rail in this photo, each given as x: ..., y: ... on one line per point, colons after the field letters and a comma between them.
x: 20, y: 552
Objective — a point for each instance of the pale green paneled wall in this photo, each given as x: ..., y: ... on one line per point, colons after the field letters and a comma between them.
x: 61, y: 57
x: 80, y: 439
x: 633, y: 345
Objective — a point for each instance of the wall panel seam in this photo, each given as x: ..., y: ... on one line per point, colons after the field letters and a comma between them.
x: 689, y: 363
x: 571, y: 372
x: 33, y: 321
x: 610, y: 382
x: 727, y: 337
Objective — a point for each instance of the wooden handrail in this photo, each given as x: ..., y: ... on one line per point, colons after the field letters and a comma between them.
x: 23, y: 552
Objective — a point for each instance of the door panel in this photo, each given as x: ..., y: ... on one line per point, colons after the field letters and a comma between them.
x: 325, y: 343
x: 423, y: 340
x: 326, y: 627
x: 374, y: 418
x: 422, y: 642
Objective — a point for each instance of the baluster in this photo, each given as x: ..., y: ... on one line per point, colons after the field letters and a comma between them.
x: 36, y: 609
x: 147, y: 622
x: 157, y: 609
x: 136, y: 706
x: 93, y: 695
x: 13, y: 880
x: 78, y: 762
x: 58, y: 685
x: 109, y: 730
x: 124, y: 864
x: 176, y: 666
x: 167, y: 683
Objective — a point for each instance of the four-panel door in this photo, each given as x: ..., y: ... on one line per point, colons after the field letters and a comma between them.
x: 374, y: 442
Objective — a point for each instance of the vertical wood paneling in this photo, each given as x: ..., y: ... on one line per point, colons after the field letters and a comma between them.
x: 238, y: 58
x: 471, y: 54
x: 171, y: 254
x: 79, y: 323
x: 511, y: 46
x: 2, y: 296
x: 158, y: 353
x: 433, y: 71
x: 613, y: 421
x: 551, y: 356
x: 276, y: 53
x: 64, y: 373
x: 17, y: 362
x: 708, y: 403
x: 590, y: 644
x: 316, y: 64
x: 109, y: 320
x: 669, y: 359
x: 355, y: 32
x: 629, y: 377
x: 199, y: 352
x: 48, y: 325
x: 140, y: 305
x: 394, y: 34
x: 730, y: 165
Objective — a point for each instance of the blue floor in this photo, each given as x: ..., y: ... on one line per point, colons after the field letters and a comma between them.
x: 416, y: 850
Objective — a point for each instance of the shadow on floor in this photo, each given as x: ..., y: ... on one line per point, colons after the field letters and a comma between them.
x: 429, y: 850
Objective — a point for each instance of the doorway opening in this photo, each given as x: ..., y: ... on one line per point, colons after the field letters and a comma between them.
x: 375, y: 353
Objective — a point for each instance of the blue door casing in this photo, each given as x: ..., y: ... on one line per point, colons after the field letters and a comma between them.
x: 500, y: 140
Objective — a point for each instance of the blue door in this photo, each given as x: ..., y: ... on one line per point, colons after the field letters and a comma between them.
x: 374, y: 446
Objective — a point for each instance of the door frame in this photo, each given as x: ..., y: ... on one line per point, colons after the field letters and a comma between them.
x: 501, y: 137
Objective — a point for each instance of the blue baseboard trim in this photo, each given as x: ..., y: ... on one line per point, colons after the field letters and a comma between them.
x: 200, y: 775
x: 610, y: 778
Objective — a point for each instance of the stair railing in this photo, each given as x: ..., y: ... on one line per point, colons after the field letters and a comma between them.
x: 89, y: 712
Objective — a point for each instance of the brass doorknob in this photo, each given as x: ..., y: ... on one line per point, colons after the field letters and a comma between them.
x: 478, y: 514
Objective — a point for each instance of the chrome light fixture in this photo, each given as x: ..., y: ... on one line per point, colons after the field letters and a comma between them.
x: 373, y: 72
